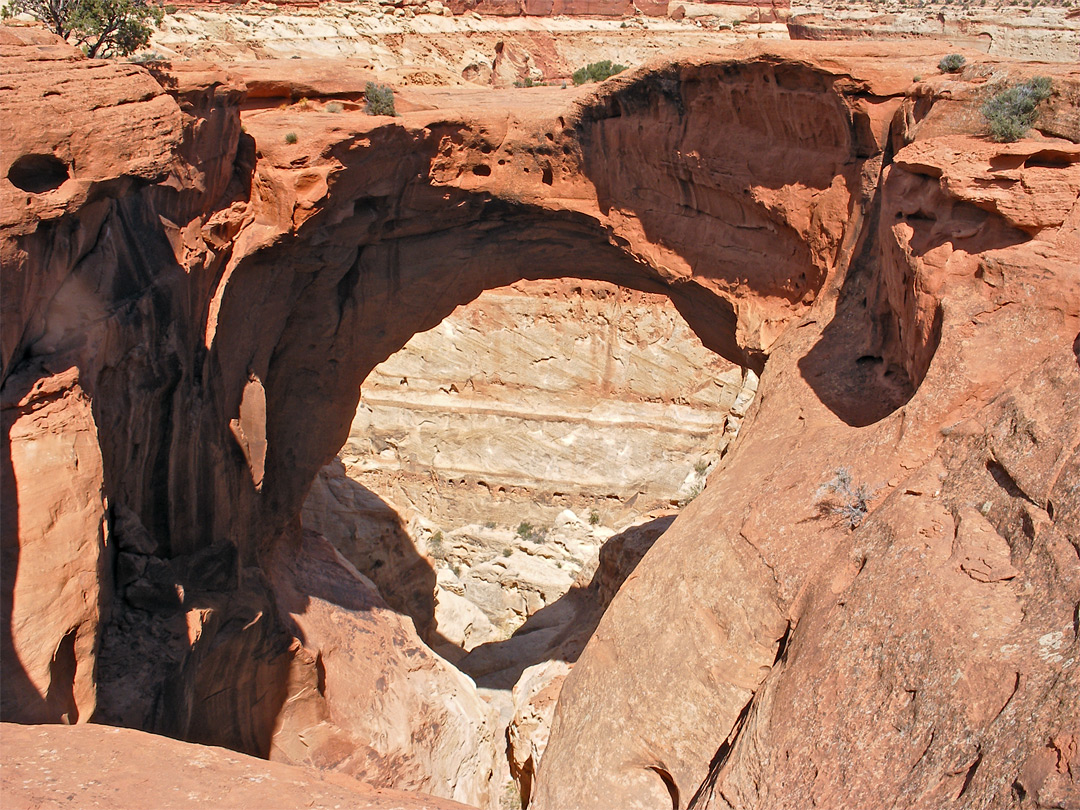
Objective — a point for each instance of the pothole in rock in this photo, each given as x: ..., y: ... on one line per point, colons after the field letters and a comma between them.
x: 37, y: 173
x: 506, y: 471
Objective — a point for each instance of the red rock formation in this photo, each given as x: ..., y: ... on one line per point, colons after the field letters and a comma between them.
x: 97, y: 767
x: 915, y: 323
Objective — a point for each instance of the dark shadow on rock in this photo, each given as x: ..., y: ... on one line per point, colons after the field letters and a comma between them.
x: 21, y: 699
x: 874, y: 354
x: 562, y: 629
x: 369, y: 533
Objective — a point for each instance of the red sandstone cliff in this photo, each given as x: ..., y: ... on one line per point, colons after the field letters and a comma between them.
x: 189, y: 310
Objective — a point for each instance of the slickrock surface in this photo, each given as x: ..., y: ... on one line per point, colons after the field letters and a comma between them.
x: 909, y: 292
x: 91, y: 766
x: 366, y: 696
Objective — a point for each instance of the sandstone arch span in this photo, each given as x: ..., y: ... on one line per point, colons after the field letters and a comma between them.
x: 220, y: 298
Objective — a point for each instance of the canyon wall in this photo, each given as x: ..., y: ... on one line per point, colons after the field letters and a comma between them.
x: 908, y: 291
x: 542, y: 397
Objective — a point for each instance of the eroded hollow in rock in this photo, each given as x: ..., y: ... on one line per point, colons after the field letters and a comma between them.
x: 38, y: 173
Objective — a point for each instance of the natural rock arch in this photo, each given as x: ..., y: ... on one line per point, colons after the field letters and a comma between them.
x: 229, y: 314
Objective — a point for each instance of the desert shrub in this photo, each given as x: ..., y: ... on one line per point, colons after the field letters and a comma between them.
x: 953, y: 63
x: 597, y: 72
x: 379, y: 99
x: 334, y: 107
x: 291, y: 137
x: 506, y: 552
x: 1012, y: 112
x: 526, y: 531
x: 594, y: 519
x: 850, y: 502
x: 692, y: 493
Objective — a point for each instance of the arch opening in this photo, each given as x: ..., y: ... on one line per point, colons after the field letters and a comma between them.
x: 490, y: 459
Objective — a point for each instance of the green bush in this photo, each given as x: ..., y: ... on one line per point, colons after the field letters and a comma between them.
x: 1012, y: 112
x: 290, y: 137
x: 102, y: 28
x: 953, y: 63
x: 379, y: 99
x: 597, y: 72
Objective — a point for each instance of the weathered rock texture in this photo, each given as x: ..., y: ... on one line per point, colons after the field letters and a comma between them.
x: 433, y: 49
x: 1046, y: 34
x: 811, y: 214
x: 542, y: 397
x: 98, y: 767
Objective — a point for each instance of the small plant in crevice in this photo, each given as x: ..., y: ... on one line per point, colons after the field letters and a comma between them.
x: 594, y: 518
x: 379, y: 99
x: 953, y: 63
x: 524, y: 529
x: 506, y: 552
x: 1012, y: 112
x: 335, y: 107
x: 693, y: 492
x: 291, y: 138
x: 849, y: 502
x: 435, y: 546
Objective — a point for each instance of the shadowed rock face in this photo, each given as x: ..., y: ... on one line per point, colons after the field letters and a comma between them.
x: 222, y: 295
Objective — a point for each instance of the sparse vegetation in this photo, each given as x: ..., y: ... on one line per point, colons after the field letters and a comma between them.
x: 851, y: 503
x: 701, y: 468
x: 526, y: 531
x: 1012, y: 112
x: 529, y: 81
x: 594, y: 519
x: 953, y: 63
x: 291, y: 138
x: 435, y: 545
x: 693, y: 492
x: 506, y: 552
x: 490, y: 524
x: 597, y: 72
x: 334, y: 107
x: 379, y: 99
x: 148, y: 58
x: 102, y: 28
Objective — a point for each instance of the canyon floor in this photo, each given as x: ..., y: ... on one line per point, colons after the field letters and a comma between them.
x: 705, y: 438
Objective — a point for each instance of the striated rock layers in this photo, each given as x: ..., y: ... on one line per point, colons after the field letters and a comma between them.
x: 542, y: 397
x: 189, y: 310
